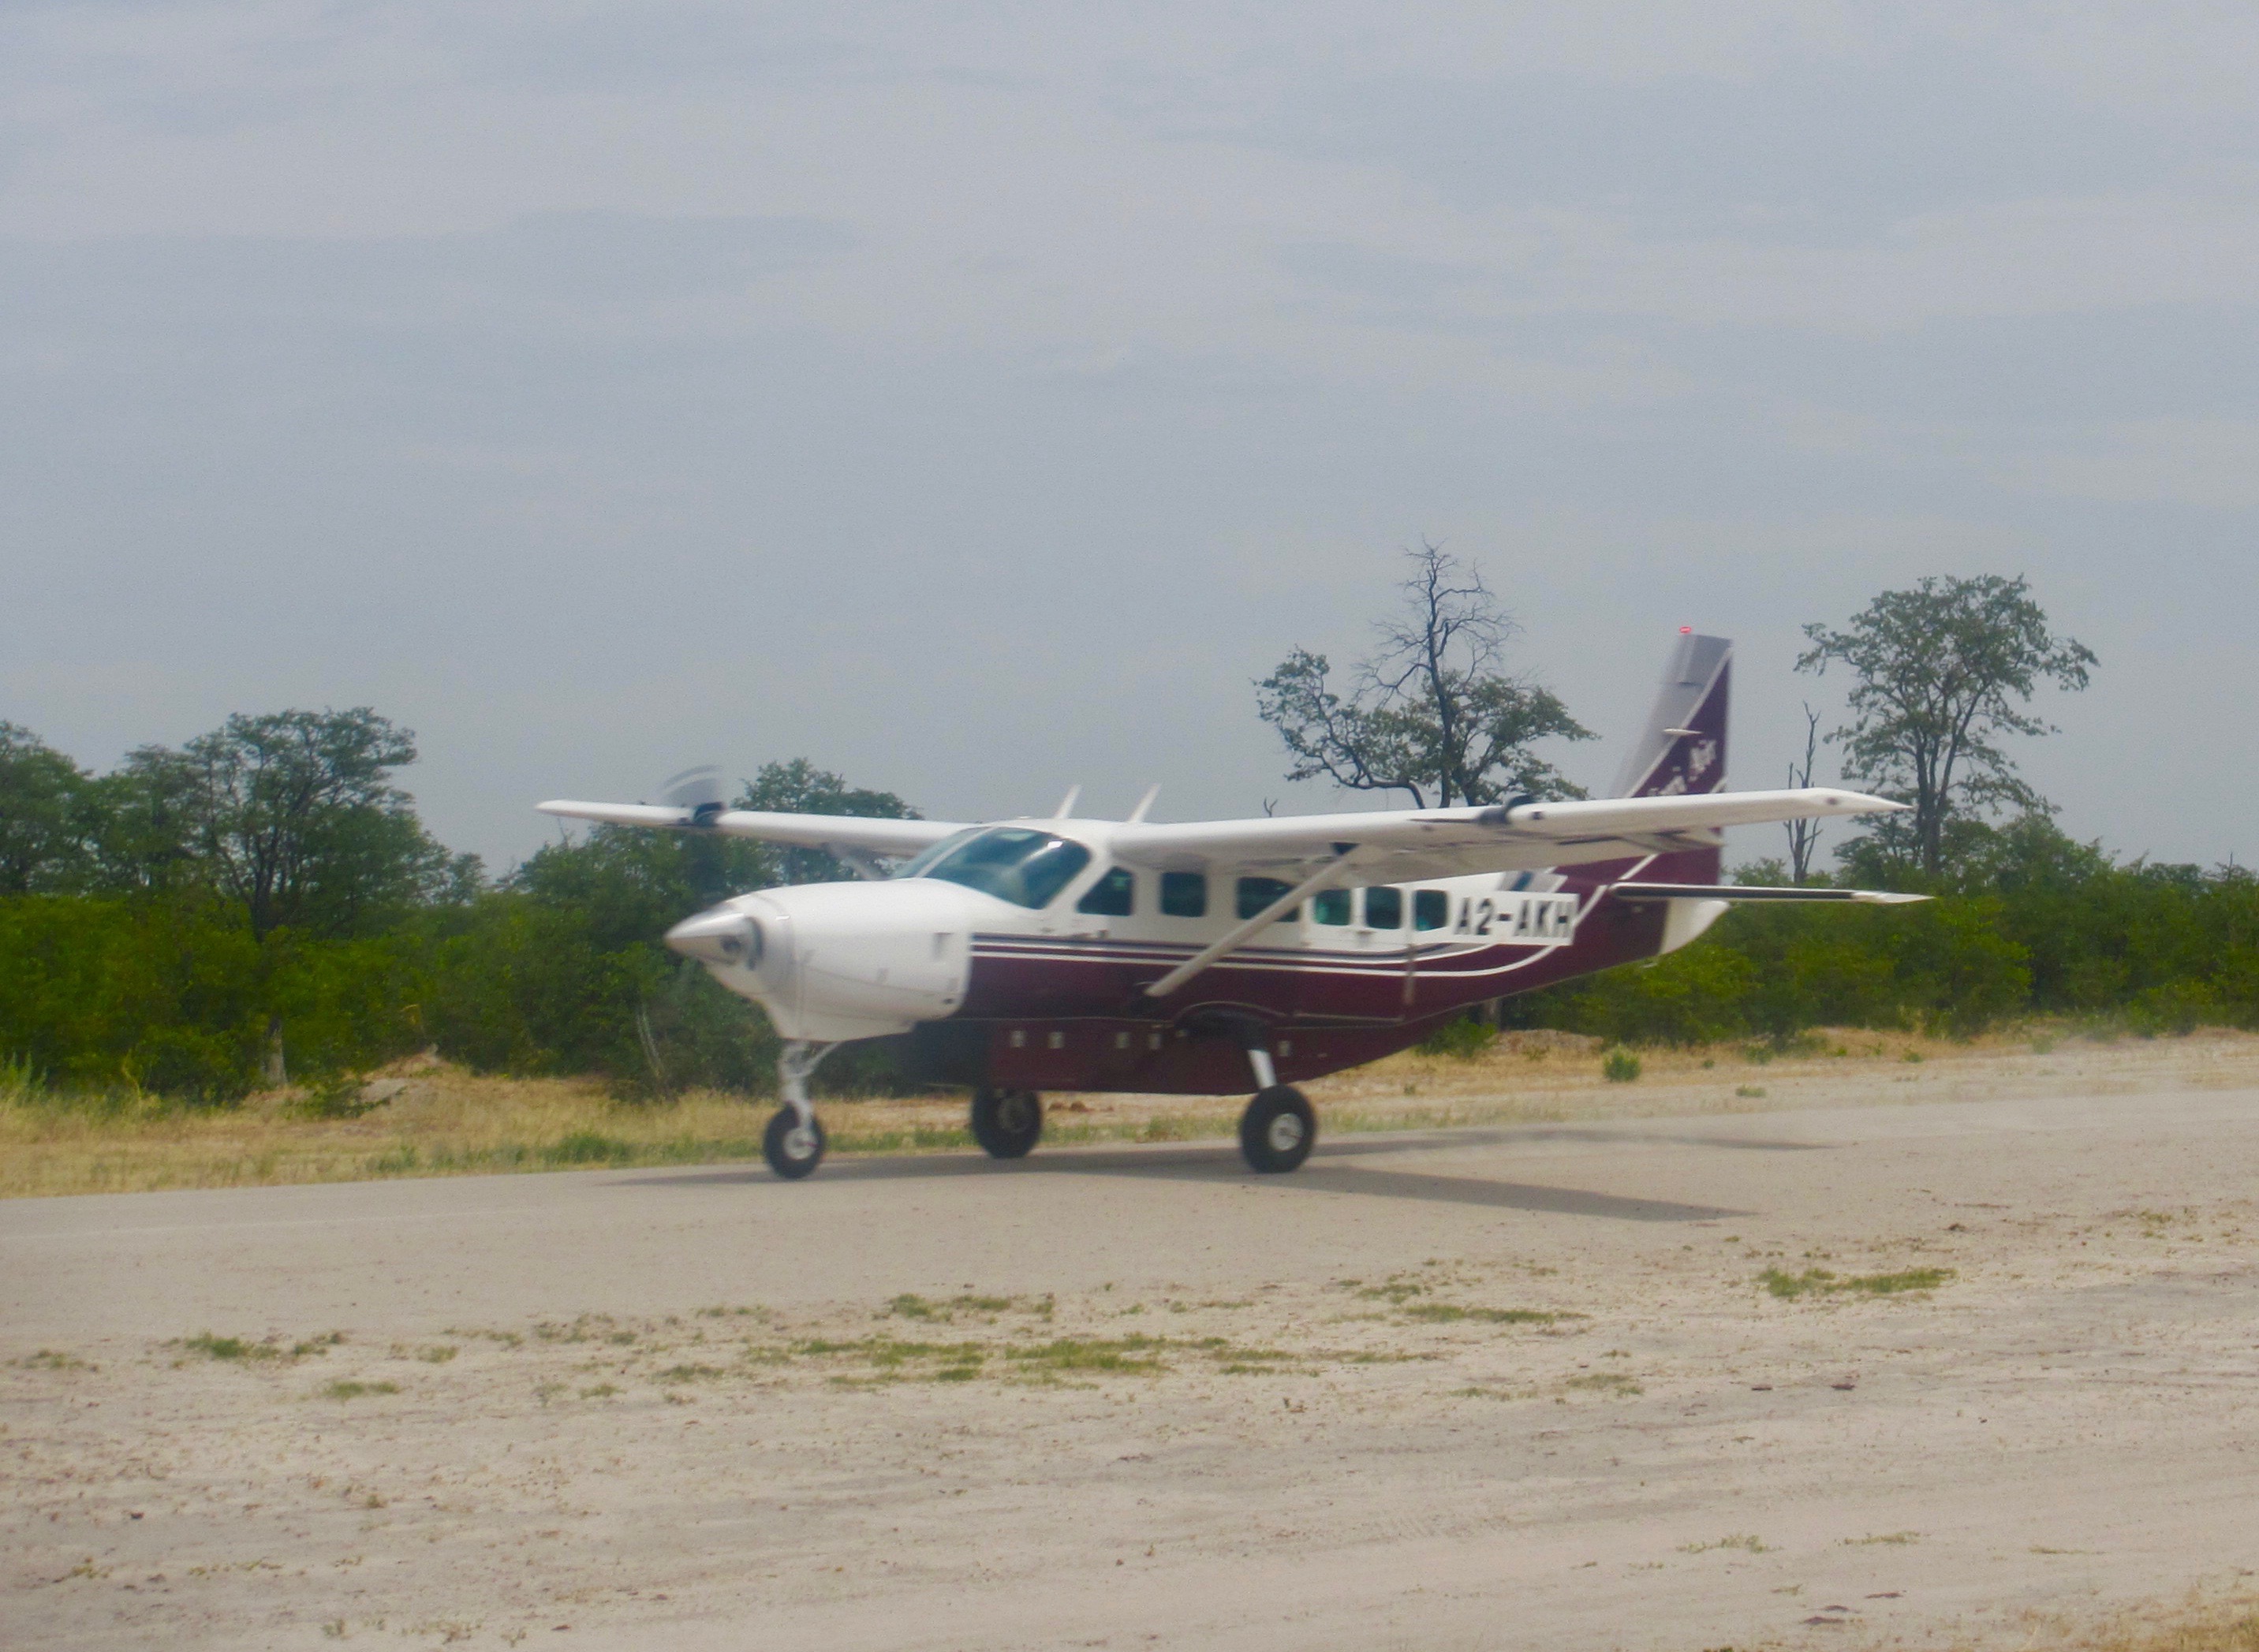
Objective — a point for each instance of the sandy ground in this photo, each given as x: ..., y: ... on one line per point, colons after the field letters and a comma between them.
x: 1511, y: 1385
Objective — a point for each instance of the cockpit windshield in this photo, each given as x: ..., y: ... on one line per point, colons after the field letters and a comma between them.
x: 1028, y: 868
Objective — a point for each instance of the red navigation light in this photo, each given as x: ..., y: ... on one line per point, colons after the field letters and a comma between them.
x: 1686, y: 630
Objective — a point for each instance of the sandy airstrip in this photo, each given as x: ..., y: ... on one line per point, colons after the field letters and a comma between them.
x: 1503, y: 1387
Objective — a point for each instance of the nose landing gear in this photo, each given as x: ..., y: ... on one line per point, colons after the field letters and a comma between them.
x: 793, y: 1144
x: 1007, y: 1124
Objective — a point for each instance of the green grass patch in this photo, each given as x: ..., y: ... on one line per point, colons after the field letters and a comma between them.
x: 1820, y: 1282
x: 1607, y: 1382
x: 1119, y: 1356
x: 356, y: 1390
x: 53, y: 1359
x: 1444, y: 1313
x: 243, y: 1350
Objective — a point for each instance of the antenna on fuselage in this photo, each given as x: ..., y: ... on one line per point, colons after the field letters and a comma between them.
x: 1143, y: 804
x: 1066, y: 804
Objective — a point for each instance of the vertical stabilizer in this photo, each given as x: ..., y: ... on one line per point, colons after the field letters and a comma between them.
x: 1683, y: 750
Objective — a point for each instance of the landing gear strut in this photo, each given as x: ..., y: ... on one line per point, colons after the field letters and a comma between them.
x: 1007, y: 1124
x: 794, y: 1141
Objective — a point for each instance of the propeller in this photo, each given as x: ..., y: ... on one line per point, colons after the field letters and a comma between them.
x: 698, y: 792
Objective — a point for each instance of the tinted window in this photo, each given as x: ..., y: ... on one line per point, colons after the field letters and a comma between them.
x: 1332, y: 907
x: 1255, y: 894
x: 1184, y: 894
x: 1431, y: 909
x: 1011, y: 863
x: 1383, y: 909
x: 1113, y: 896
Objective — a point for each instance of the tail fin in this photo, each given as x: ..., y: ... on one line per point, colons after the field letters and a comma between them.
x: 1683, y: 749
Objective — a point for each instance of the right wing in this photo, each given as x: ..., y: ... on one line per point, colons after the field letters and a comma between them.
x: 1397, y: 845
x: 870, y: 836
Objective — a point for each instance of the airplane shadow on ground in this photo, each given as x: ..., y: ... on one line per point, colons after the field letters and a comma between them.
x: 1331, y: 1170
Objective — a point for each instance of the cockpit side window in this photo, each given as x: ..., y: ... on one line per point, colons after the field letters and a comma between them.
x: 1331, y: 906
x: 1028, y: 868
x: 1114, y: 895
x: 1383, y: 909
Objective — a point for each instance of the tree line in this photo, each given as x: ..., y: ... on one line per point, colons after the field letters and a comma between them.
x: 264, y: 903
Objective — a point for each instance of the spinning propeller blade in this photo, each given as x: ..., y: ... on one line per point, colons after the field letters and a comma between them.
x: 699, y: 791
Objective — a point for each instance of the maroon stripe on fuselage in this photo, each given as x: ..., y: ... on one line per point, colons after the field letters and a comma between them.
x: 1027, y: 979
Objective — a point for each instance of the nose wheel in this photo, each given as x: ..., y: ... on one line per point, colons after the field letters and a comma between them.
x: 1007, y: 1124
x: 794, y: 1141
x: 793, y: 1148
x: 1277, y: 1130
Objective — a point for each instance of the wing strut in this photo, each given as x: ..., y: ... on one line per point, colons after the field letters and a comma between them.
x: 1231, y: 940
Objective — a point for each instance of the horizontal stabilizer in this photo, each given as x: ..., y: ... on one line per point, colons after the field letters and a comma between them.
x: 1754, y: 891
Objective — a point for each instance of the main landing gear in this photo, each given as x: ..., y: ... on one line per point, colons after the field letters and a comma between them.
x: 1007, y: 1124
x: 1280, y: 1127
x: 794, y: 1141
x: 1277, y: 1130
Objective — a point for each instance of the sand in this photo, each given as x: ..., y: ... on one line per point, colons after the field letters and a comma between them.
x: 1509, y: 1385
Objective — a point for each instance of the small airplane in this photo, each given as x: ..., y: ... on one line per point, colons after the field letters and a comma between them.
x: 1062, y: 953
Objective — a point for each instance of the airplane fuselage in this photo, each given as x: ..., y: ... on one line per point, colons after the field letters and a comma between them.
x: 1053, y: 997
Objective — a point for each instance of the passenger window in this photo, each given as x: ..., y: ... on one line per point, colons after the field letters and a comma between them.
x: 1431, y: 908
x: 1332, y: 907
x: 1113, y: 896
x: 1184, y: 894
x: 1255, y: 894
x: 1383, y: 909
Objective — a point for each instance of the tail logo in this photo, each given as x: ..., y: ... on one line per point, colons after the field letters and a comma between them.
x: 1701, y: 758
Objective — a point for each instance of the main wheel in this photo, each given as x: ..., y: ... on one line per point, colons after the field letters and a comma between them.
x: 1007, y: 1124
x: 1277, y: 1130
x: 791, y: 1149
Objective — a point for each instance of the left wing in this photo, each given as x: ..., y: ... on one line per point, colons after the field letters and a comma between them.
x: 1398, y: 845
x: 854, y: 832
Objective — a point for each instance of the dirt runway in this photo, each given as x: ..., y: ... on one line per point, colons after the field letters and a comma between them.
x: 1531, y: 1386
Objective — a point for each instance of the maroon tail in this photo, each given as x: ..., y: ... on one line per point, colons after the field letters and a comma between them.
x: 1683, y: 751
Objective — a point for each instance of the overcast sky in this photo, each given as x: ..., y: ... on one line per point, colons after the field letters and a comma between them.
x: 973, y: 399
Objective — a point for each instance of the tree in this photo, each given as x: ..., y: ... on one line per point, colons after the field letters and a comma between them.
x: 1432, y: 713
x: 293, y: 816
x: 43, y: 815
x: 1804, y: 834
x: 1942, y: 672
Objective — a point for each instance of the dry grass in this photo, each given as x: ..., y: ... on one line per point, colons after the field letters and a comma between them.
x: 2219, y: 1624
x: 443, y: 1120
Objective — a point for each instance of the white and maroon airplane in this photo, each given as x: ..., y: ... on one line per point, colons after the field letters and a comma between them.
x: 1063, y: 953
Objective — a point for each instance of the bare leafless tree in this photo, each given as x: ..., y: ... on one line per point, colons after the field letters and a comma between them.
x: 1804, y: 834
x: 1433, y: 712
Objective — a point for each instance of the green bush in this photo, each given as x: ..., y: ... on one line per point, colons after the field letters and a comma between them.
x: 1468, y: 1039
x: 1620, y: 1066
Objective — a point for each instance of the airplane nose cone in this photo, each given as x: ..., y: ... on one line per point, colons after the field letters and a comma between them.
x: 719, y: 936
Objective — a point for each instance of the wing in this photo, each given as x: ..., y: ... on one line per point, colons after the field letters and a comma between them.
x: 1400, y: 845
x: 811, y: 831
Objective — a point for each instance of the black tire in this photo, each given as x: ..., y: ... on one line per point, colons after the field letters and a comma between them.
x: 1277, y: 1130
x: 1007, y: 1124
x: 790, y: 1154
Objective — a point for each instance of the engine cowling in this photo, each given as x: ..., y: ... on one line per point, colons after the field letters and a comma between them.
x: 840, y: 960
